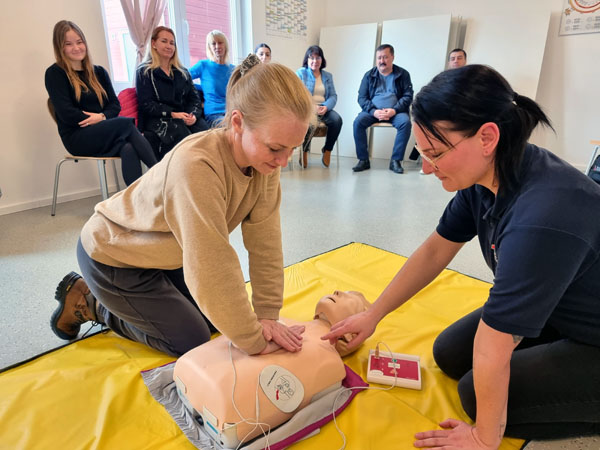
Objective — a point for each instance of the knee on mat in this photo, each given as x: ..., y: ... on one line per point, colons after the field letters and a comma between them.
x: 466, y: 392
x: 445, y: 357
x: 179, y: 348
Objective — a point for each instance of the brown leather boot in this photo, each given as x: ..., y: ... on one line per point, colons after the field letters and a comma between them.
x: 326, y: 159
x: 76, y: 306
x: 304, y: 159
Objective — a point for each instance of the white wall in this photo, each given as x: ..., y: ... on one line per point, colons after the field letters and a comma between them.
x: 571, y: 64
x: 31, y: 146
x: 288, y: 51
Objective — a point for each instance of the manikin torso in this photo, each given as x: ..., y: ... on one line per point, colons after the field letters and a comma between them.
x: 280, y: 382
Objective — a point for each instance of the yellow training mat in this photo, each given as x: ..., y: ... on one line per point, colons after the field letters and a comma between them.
x: 90, y: 395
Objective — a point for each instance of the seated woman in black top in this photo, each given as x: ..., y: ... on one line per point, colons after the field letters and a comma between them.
x: 86, y: 107
x: 169, y: 106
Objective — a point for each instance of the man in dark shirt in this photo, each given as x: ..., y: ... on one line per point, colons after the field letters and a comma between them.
x: 385, y: 95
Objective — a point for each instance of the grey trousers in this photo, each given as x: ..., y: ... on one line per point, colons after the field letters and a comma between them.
x: 150, y: 306
x: 554, y: 387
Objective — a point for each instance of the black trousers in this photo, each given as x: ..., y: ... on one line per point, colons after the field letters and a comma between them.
x: 150, y: 306
x: 554, y: 388
x: 334, y: 126
x: 182, y: 131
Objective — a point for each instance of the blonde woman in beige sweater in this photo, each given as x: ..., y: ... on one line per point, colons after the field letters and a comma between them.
x: 156, y: 261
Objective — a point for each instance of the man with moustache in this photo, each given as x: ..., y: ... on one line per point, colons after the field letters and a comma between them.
x: 385, y: 95
x: 457, y: 58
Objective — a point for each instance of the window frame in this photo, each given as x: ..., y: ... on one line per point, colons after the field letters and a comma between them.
x: 178, y: 22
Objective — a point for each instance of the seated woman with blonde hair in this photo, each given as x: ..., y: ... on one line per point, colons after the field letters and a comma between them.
x: 169, y: 105
x: 86, y: 107
x: 214, y: 74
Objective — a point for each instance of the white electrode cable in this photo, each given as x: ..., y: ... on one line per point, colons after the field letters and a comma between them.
x: 360, y: 388
x: 254, y: 422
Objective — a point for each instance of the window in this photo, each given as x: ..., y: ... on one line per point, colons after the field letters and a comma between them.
x: 191, y: 20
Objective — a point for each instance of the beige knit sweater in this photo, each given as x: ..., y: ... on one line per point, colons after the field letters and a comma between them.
x: 180, y: 214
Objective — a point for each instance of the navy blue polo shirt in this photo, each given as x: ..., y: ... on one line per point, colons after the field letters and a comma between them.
x: 542, y: 242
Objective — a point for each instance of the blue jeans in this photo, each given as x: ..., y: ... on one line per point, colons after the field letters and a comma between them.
x: 554, y: 387
x: 334, y: 126
x: 364, y: 120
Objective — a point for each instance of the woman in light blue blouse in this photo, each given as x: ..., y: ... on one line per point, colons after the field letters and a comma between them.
x: 320, y: 84
x: 214, y: 74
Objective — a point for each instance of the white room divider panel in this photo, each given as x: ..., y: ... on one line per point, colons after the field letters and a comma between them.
x: 420, y: 46
x: 513, y: 45
x: 349, y: 51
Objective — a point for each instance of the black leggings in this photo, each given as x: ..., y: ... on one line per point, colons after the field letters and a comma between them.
x: 554, y: 388
x: 135, y: 149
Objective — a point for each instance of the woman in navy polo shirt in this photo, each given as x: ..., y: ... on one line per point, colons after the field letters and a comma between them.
x: 528, y: 361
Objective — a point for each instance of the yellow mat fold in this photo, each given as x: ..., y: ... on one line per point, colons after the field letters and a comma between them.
x: 90, y: 395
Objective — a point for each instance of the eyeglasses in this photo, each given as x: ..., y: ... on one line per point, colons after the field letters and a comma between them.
x: 432, y: 160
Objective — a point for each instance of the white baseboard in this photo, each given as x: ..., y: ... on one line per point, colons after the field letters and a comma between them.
x: 23, y: 206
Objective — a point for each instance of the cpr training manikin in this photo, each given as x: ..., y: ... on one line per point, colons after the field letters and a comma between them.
x: 230, y: 392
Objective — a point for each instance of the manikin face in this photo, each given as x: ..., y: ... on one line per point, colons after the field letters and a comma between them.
x: 264, y: 54
x: 456, y: 60
x: 340, y: 305
x: 314, y: 62
x: 218, y: 48
x: 458, y: 167
x: 269, y: 146
x: 74, y: 49
x: 385, y: 59
x: 164, y: 45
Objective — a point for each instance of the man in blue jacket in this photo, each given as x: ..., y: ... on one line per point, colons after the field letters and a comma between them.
x: 385, y: 95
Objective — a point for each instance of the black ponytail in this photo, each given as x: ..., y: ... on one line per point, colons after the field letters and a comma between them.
x: 472, y: 95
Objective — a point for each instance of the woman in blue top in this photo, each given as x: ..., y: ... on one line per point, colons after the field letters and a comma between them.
x: 214, y: 74
x: 320, y: 84
x: 528, y: 361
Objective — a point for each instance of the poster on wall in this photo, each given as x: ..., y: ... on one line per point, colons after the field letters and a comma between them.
x: 580, y: 16
x: 286, y: 18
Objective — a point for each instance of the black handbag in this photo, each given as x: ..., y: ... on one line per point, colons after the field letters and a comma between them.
x: 168, y: 130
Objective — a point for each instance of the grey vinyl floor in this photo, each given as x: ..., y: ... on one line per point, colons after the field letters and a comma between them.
x: 321, y: 209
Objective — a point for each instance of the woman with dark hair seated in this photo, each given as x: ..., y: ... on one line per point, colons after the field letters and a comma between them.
x: 528, y: 362
x: 263, y: 51
x: 320, y: 85
x: 169, y: 105
x: 86, y: 107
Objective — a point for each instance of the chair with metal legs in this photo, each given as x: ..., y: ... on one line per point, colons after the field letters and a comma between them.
x: 101, y: 174
x: 371, y: 130
x: 101, y: 161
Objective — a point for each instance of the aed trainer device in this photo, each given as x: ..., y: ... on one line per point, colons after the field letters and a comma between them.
x: 395, y: 369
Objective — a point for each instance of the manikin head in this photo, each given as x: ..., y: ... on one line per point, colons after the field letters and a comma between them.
x: 338, y: 306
